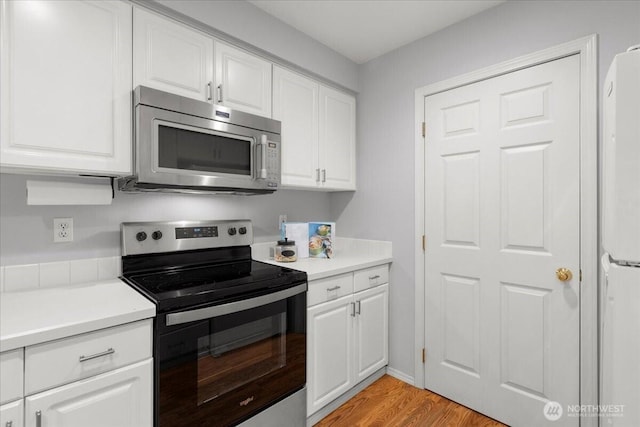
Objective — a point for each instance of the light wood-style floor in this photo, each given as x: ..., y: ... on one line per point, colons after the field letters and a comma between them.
x: 391, y: 402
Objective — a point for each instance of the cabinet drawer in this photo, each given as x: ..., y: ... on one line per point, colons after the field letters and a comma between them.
x: 328, y: 289
x: 370, y: 277
x: 12, y: 413
x: 59, y: 362
x: 12, y: 370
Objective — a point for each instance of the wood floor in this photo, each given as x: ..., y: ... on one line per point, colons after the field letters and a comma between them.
x: 391, y: 402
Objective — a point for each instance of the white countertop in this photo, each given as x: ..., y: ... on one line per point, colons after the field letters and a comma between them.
x: 40, y: 315
x: 349, y: 255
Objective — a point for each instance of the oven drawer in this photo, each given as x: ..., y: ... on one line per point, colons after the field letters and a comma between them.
x: 328, y: 289
x: 66, y: 360
x: 370, y: 277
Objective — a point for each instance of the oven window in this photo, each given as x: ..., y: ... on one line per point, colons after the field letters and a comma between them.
x: 238, y: 352
x: 222, y: 370
x: 199, y: 151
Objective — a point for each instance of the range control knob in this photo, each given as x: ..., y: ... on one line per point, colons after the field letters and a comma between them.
x: 141, y: 236
x: 157, y: 235
x: 232, y: 231
x: 242, y: 230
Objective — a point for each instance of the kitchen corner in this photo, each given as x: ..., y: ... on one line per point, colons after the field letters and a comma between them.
x: 349, y: 255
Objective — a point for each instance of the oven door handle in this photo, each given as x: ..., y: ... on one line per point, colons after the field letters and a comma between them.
x: 232, y: 307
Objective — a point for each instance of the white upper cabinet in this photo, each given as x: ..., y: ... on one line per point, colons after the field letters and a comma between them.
x: 243, y: 81
x: 171, y: 57
x: 66, y: 86
x: 337, y: 139
x: 318, y: 133
x: 295, y: 104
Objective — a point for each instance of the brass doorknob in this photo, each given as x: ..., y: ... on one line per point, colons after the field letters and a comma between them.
x: 564, y: 274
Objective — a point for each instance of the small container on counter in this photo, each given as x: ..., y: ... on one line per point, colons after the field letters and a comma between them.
x: 286, y: 251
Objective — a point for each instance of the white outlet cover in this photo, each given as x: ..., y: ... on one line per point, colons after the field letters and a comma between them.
x: 62, y: 230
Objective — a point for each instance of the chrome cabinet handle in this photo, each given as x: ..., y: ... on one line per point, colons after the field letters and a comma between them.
x: 9, y: 424
x: 358, y: 305
x: 335, y: 288
x: 324, y: 175
x: 38, y: 419
x: 374, y: 277
x: 219, y: 94
x: 317, y: 175
x: 95, y: 356
x: 353, y: 309
x: 209, y: 95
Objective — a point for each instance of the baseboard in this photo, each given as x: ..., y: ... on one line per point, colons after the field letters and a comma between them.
x: 401, y: 376
x: 335, y: 404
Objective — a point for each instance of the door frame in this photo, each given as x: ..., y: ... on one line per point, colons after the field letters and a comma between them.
x: 587, y: 48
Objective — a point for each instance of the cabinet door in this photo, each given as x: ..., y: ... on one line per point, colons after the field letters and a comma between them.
x: 122, y: 398
x: 171, y: 57
x: 12, y: 374
x: 329, y: 351
x: 372, y: 329
x: 337, y: 139
x: 11, y: 414
x: 66, y: 86
x: 243, y: 81
x: 295, y: 104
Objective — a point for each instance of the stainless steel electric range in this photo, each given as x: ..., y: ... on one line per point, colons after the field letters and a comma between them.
x: 230, y: 332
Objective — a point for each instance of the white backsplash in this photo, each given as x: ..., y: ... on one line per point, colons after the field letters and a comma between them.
x: 25, y: 277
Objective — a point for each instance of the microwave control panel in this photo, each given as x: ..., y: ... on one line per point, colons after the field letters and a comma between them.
x: 273, y: 164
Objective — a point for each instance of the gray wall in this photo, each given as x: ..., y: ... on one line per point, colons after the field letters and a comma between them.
x: 383, y: 207
x: 26, y: 232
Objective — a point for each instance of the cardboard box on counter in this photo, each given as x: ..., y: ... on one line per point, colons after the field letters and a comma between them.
x: 313, y: 239
x: 299, y: 233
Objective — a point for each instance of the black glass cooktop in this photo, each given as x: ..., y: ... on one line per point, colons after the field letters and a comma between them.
x: 188, y: 286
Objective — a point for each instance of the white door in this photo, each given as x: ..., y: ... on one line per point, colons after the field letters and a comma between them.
x: 243, y: 81
x: 337, y: 139
x: 329, y: 351
x: 295, y: 104
x: 122, y: 398
x: 502, y: 215
x: 66, y: 86
x: 372, y: 326
x: 171, y: 57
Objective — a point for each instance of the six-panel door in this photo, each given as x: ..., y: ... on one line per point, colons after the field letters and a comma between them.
x: 502, y: 216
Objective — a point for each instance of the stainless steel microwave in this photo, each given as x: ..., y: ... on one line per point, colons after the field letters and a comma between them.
x: 185, y: 145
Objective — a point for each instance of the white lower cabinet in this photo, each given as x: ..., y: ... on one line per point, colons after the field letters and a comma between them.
x: 117, y: 398
x: 330, y: 352
x: 372, y: 329
x: 347, y: 337
x: 102, y: 378
x: 11, y: 414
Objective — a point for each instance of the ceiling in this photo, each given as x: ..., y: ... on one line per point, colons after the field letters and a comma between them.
x: 365, y: 29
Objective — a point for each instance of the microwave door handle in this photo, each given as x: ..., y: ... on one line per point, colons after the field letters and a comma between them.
x: 262, y: 171
x: 232, y: 307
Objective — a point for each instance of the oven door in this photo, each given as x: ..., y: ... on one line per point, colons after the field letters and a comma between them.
x: 179, y: 150
x: 219, y: 365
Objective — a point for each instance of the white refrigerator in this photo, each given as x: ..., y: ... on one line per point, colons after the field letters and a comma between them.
x: 620, y: 309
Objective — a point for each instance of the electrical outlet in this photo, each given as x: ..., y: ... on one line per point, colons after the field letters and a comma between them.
x: 282, y: 218
x: 62, y: 230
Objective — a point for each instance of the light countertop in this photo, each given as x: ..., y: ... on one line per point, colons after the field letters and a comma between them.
x: 349, y: 255
x: 40, y: 315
